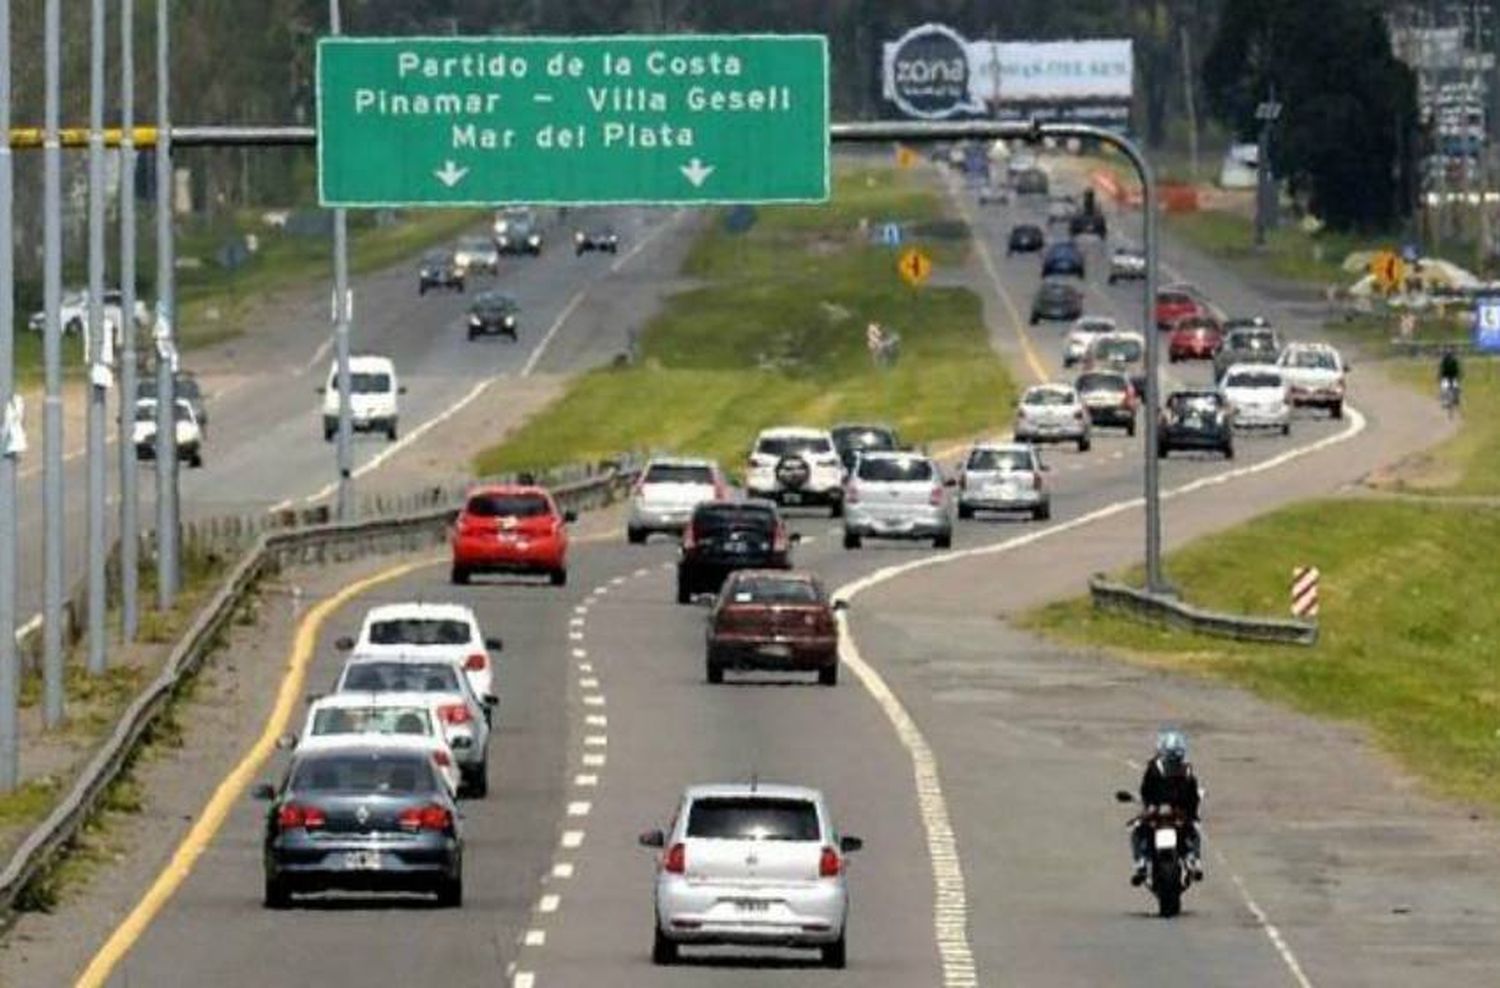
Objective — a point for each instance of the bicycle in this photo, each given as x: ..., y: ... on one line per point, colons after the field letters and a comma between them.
x: 1450, y: 393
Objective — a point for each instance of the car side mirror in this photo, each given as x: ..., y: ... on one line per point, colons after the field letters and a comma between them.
x: 795, y: 538
x: 321, y: 390
x: 491, y: 700
x: 1123, y: 796
x: 652, y: 838
x: 343, y: 643
x: 265, y: 792
x: 401, y: 390
x: 287, y: 742
x: 494, y: 644
x: 849, y: 845
x: 1044, y: 468
x: 841, y: 605
x: 461, y: 743
x: 314, y: 698
x: 950, y: 481
x: 569, y: 517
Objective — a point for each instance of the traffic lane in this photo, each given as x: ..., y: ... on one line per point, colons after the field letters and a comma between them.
x: 668, y: 729
x: 215, y: 931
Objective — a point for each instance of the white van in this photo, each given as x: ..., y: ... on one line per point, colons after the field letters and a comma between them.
x: 373, y: 388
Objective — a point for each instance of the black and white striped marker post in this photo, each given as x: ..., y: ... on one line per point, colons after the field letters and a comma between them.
x: 1305, y: 591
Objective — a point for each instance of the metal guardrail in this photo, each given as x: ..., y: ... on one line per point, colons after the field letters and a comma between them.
x: 270, y: 551
x: 1170, y: 611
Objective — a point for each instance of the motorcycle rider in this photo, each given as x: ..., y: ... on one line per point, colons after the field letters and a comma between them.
x: 1168, y: 783
x: 1450, y: 372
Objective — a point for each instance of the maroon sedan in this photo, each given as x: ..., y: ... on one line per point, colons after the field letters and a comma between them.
x: 1195, y: 338
x: 773, y: 619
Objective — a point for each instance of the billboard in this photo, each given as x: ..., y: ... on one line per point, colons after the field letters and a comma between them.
x: 933, y: 73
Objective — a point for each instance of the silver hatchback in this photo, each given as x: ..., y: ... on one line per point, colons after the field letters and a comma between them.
x: 752, y: 865
x: 897, y: 496
x: 1004, y: 477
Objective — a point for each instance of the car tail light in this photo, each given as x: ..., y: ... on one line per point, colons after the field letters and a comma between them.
x: 721, y: 489
x: 689, y: 536
x: 935, y: 497
x: 454, y: 713
x: 830, y: 865
x: 851, y: 494
x: 440, y: 759
x: 779, y: 542
x: 476, y: 662
x: 296, y: 816
x: 1078, y: 414
x: 431, y: 817
x: 674, y: 862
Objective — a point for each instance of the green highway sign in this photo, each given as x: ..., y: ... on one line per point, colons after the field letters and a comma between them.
x: 481, y: 121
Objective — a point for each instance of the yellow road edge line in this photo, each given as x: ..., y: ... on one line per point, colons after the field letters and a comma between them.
x: 211, y: 819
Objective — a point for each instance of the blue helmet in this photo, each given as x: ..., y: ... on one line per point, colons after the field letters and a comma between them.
x: 1171, y: 747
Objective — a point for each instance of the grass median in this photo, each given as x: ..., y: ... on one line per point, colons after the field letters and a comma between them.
x: 775, y: 334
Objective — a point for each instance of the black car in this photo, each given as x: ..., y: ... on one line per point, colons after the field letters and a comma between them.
x: 1088, y: 222
x: 1056, y: 301
x: 1063, y: 258
x: 851, y: 440
x: 1031, y: 182
x: 724, y: 536
x: 440, y: 269
x: 494, y: 314
x: 519, y: 235
x: 362, y: 818
x: 600, y: 238
x: 185, y: 387
x: 1195, y: 420
x: 1025, y: 238
x: 1246, y: 345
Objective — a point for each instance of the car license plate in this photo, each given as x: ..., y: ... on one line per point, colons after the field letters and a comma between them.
x: 362, y: 860
x: 1007, y: 491
x: 752, y: 905
x: 1166, y: 840
x: 792, y: 497
x: 776, y: 651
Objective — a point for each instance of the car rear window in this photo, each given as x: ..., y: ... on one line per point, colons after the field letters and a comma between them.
x: 1262, y: 340
x: 679, y: 473
x: 1049, y: 396
x: 753, y: 818
x: 373, y: 772
x: 1102, y: 382
x: 508, y: 506
x: 1253, y: 379
x: 865, y: 439
x: 894, y: 469
x: 420, y: 631
x: 364, y: 382
x: 724, y: 518
x: 999, y: 459
x: 773, y: 590
x: 1319, y: 359
x: 791, y: 445
x: 1128, y: 351
x: 1174, y: 298
x: 373, y: 720
x: 402, y: 677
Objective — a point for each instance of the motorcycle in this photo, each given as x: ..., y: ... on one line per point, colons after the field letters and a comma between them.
x: 1167, y: 873
x: 1449, y: 395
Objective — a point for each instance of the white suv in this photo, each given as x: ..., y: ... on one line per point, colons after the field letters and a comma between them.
x: 1257, y: 398
x: 373, y: 389
x: 669, y: 489
x: 429, y: 631
x: 1314, y: 375
x: 753, y: 865
x: 794, y: 465
x: 189, y: 433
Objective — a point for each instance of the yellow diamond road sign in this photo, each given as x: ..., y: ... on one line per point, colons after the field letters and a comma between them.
x: 915, y: 266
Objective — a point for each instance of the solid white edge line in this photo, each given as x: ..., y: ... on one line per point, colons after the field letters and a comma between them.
x: 950, y: 907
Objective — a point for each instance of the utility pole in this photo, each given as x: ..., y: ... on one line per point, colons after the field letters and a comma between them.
x: 1189, y: 100
x: 52, y: 425
x: 344, y: 503
x: 99, y: 377
x: 166, y: 346
x: 129, y: 488
x: 10, y: 670
x: 1265, y: 184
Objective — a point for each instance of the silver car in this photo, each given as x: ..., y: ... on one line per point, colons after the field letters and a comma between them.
x: 894, y: 495
x: 668, y: 491
x: 1053, y: 413
x: 753, y: 865
x: 1004, y: 477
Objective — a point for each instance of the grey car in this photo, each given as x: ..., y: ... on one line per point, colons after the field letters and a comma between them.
x: 1247, y: 345
x: 1056, y: 301
x: 363, y: 818
x: 897, y: 496
x: 1004, y: 477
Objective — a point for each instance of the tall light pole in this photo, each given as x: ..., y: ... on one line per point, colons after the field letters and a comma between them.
x: 1265, y: 186
x: 52, y: 425
x: 166, y: 346
x: 129, y: 488
x: 344, y: 502
x: 10, y: 671
x: 99, y: 378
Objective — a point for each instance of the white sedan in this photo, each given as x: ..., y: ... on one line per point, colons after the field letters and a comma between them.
x: 429, y: 631
x: 405, y: 719
x: 1052, y: 413
x: 1083, y: 331
x: 1257, y: 397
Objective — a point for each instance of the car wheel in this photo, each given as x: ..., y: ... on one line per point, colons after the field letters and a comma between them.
x: 829, y: 674
x: 196, y: 461
x: 1042, y: 512
x: 1161, y: 451
x: 852, y: 540
x: 836, y: 509
x: 276, y: 894
x: 1336, y: 410
x: 478, y: 784
x: 560, y: 577
x: 1034, y: 319
x: 450, y: 892
x: 472, y: 335
x: 421, y: 289
x: 836, y: 954
x: 459, y: 575
x: 715, y: 672
x: 1229, y: 451
x: 328, y: 434
x: 390, y: 432
x: 636, y: 536
x: 1084, y: 443
x: 663, y: 951
x: 1130, y: 428
x: 1286, y: 428
x: 965, y: 512
x: 1111, y: 279
x: 944, y: 541
x: 684, y: 592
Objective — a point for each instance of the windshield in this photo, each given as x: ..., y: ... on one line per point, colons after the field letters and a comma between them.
x: 420, y: 631
x: 773, y: 590
x: 1314, y: 359
x: 1004, y: 460
x: 437, y: 258
x: 364, y: 382
x: 1253, y: 379
x: 864, y: 439
x: 476, y: 245
x: 792, y: 445
x: 1101, y: 382
x: 402, y: 677
x: 1125, y: 351
x: 751, y: 818
x: 1049, y: 396
x: 508, y: 506
x: 376, y: 772
x: 679, y: 473
x: 1253, y: 341
x: 415, y: 721
x: 894, y: 469
x: 494, y: 300
x: 146, y: 412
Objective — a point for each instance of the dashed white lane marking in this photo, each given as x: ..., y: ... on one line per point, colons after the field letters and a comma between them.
x: 595, y: 760
x: 575, y: 622
x: 580, y: 653
x: 563, y: 869
x: 950, y: 906
x: 572, y: 839
x: 580, y: 808
x: 593, y: 701
x: 588, y: 683
x: 549, y: 903
x: 534, y: 938
x: 575, y: 636
x: 585, y: 780
x: 617, y: 581
x: 581, y: 609
x: 596, y: 741
x: 1272, y: 933
x: 596, y: 720
x: 523, y: 979
x: 641, y: 572
x: 585, y: 667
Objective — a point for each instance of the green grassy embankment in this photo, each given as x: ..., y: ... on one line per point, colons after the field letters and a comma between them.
x: 776, y: 334
x: 1407, y: 627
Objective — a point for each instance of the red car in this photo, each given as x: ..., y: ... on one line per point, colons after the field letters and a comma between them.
x: 773, y: 619
x: 511, y: 528
x: 1195, y: 338
x: 1172, y: 305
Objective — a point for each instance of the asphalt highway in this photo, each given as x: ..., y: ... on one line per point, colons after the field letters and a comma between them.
x: 605, y: 716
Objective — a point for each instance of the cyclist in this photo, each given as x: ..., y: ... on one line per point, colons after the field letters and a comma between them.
x: 1450, y: 375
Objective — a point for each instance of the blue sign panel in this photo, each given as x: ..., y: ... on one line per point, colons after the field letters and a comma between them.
x: 1487, y: 324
